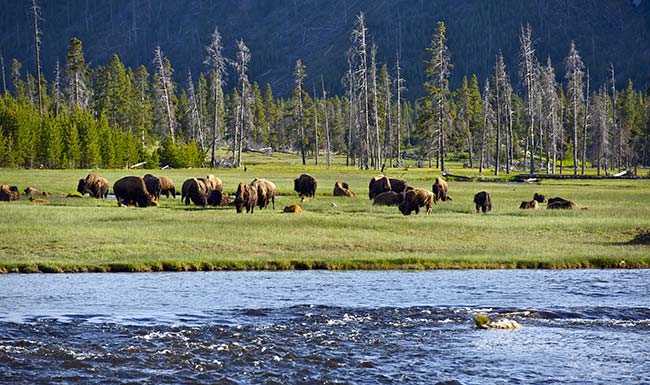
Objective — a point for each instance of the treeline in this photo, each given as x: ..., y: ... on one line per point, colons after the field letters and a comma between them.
x: 115, y: 116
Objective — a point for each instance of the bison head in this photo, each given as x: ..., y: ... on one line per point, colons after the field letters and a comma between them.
x: 82, y: 187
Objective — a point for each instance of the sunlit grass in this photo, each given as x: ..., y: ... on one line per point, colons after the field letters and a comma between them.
x: 71, y: 234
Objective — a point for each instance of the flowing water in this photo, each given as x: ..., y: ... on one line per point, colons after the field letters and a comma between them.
x: 312, y: 327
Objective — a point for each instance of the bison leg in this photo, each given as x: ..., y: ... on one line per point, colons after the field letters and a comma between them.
x: 429, y: 209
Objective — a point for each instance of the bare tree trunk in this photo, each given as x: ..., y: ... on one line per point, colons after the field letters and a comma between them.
x: 584, y: 129
x: 4, y: 78
x: 375, y: 104
x: 315, y: 127
x: 328, y: 153
x: 37, y: 53
x: 399, y: 114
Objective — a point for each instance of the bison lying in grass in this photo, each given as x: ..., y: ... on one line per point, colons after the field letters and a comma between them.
x: 9, y: 193
x: 534, y: 205
x: 342, y: 189
x: 560, y: 203
x: 388, y: 198
x: 382, y: 183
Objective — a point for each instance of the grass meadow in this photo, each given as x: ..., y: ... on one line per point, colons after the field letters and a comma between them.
x: 79, y: 235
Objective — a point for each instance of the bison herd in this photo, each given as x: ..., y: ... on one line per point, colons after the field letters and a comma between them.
x: 208, y: 191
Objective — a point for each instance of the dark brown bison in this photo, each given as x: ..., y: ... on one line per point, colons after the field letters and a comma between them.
x: 292, y: 209
x: 305, y: 185
x: 131, y: 190
x: 388, y: 198
x: 540, y: 198
x: 154, y: 185
x: 32, y: 192
x: 414, y: 199
x: 94, y: 185
x: 483, y: 202
x: 534, y: 205
x: 560, y: 203
x: 342, y: 189
x: 382, y: 183
x: 246, y: 196
x: 265, y: 192
x: 439, y: 190
x: 167, y: 186
x: 9, y: 193
x: 194, y: 190
x: 218, y: 198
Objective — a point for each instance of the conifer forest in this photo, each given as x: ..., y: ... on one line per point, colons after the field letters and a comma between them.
x: 521, y: 112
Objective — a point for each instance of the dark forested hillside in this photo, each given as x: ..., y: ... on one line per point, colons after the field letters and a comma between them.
x: 280, y: 31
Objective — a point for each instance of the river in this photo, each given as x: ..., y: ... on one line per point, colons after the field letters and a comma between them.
x: 317, y: 327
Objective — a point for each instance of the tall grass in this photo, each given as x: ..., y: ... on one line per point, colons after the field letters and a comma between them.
x: 72, y: 235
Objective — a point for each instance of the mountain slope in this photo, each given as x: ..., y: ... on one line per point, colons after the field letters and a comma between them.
x: 280, y: 31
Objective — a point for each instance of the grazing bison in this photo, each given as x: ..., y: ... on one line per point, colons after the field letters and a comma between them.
x: 131, y: 190
x: 292, y: 209
x: 483, y: 202
x: 265, y: 192
x: 9, y: 193
x: 94, y: 185
x: 534, y: 205
x: 246, y: 196
x: 382, y: 183
x: 414, y: 199
x: 212, y: 182
x: 439, y: 189
x: 167, y: 186
x: 32, y: 192
x: 218, y: 198
x: 194, y: 190
x: 388, y: 198
x: 540, y: 198
x: 154, y: 185
x: 342, y: 189
x: 560, y: 203
x: 305, y: 185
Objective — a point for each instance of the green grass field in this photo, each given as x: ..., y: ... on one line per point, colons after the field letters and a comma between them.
x: 76, y: 235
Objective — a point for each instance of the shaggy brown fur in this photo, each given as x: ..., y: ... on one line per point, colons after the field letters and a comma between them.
x: 439, y: 190
x: 342, y: 189
x: 560, y: 203
x: 131, y: 190
x: 154, y: 185
x: 416, y: 198
x: 305, y: 185
x: 194, y: 190
x: 212, y: 182
x: 32, y: 192
x: 483, y: 202
x: 292, y: 209
x: 378, y: 185
x: 9, y: 193
x: 167, y: 186
x: 398, y: 185
x: 94, y: 185
x: 540, y: 198
x: 388, y: 198
x: 246, y: 196
x: 265, y: 192
x: 218, y: 198
x: 534, y: 205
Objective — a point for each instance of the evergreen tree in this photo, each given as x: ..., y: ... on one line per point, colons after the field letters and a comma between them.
x: 71, y: 153
x: 108, y: 147
x: 140, y: 104
x: 300, y: 73
x: 437, y: 86
x: 88, y: 138
x: 217, y: 65
x: 76, y: 87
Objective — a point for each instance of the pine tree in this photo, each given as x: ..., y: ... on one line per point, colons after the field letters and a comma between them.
x: 108, y: 147
x: 437, y: 70
x: 88, y: 138
x: 300, y: 73
x: 76, y: 87
x: 71, y: 153
x: 241, y: 63
x: 140, y: 104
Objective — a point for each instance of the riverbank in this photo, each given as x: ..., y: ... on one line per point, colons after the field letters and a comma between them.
x: 89, y: 235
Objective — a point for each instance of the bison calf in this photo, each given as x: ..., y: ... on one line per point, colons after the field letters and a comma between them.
x: 292, y: 209
x: 483, y: 202
x: 32, y: 192
x: 560, y: 203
